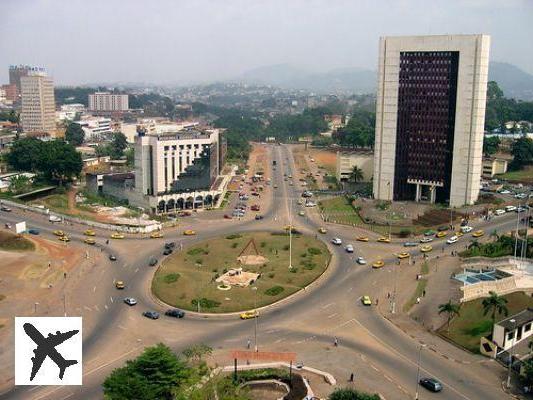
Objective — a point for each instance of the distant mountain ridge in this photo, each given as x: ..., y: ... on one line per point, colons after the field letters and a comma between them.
x: 514, y: 82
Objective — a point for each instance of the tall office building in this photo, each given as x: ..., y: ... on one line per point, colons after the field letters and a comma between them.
x: 429, y: 118
x: 104, y: 101
x: 16, y: 72
x: 38, y: 103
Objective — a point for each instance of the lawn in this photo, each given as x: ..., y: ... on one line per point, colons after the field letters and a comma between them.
x: 340, y: 210
x: 55, y: 202
x: 8, y: 241
x: 467, y: 329
x: 189, y: 275
x: 524, y: 175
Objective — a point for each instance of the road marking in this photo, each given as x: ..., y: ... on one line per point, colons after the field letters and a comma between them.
x: 279, y: 340
x: 87, y: 308
x: 327, y: 305
x: 94, y: 289
x: 332, y: 315
x: 136, y: 270
x: 111, y: 298
x: 67, y: 396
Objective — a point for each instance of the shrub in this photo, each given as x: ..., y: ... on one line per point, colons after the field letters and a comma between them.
x: 286, y: 247
x: 274, y: 290
x: 314, y: 251
x: 196, y: 251
x: 293, y: 270
x: 404, y: 232
x: 234, y: 245
x: 199, y: 261
x: 263, y: 244
x: 171, y: 278
x: 271, y: 275
x: 234, y: 236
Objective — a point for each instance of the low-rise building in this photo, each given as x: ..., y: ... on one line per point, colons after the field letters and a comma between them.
x: 346, y: 160
x: 95, y: 128
x: 493, y: 166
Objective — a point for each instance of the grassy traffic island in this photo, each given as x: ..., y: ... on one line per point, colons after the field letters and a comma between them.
x: 191, y: 275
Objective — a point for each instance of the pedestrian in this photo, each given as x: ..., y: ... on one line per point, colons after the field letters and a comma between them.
x: 351, y: 377
x: 336, y: 342
x: 107, y: 241
x: 248, y: 344
x: 377, y: 301
x: 424, y: 293
x: 418, y: 300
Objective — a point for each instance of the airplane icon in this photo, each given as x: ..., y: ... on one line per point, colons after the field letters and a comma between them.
x: 46, y: 348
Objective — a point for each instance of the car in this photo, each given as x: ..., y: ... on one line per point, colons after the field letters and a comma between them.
x: 90, y: 241
x: 151, y: 314
x: 452, y: 240
x: 403, y: 255
x: 227, y: 216
x: 431, y: 384
x: 189, y: 232
x: 307, y: 194
x: 520, y: 196
x: 117, y: 235
x: 410, y: 244
x: 349, y: 248
x: 89, y: 232
x: 362, y: 238
x: 499, y: 211
x: 521, y: 209
x: 383, y: 239
x: 429, y: 232
x: 322, y: 230
x: 505, y: 191
x: 174, y: 312
x: 152, y: 262
x: 361, y: 261
x: 478, y: 233
x: 301, y: 214
x: 130, y: 301
x: 258, y: 217
x: 6, y: 209
x: 33, y: 231
x: 64, y: 238
x: 459, y: 234
x: 426, y: 249
x: 7, y: 225
x: 378, y: 264
x: 366, y: 300
x: 275, y: 186
x: 120, y: 285
x: 336, y: 241
x: 510, y: 208
x: 170, y: 245
x: 156, y: 235
x: 59, y: 233
x: 466, y: 229
x: 310, y: 204
x: 442, y: 228
x: 441, y: 234
x: 53, y: 218
x: 250, y: 314
x: 166, y: 252
x: 255, y: 207
x: 113, y: 257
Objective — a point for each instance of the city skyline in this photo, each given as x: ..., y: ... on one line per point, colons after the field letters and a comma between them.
x: 180, y: 43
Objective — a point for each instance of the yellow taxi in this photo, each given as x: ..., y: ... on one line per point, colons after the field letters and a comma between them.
x: 362, y: 238
x: 156, y: 235
x: 478, y: 233
x: 426, y: 249
x: 250, y: 314
x: 384, y: 239
x: 59, y: 233
x: 403, y: 255
x: 64, y: 238
x: 441, y: 234
x: 120, y: 284
x: 189, y: 232
x: 378, y: 264
x: 89, y: 241
x: 459, y: 234
x: 117, y: 235
x: 366, y: 300
x: 322, y: 230
x: 89, y: 232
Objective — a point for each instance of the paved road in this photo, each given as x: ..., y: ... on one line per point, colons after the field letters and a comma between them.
x: 383, y: 357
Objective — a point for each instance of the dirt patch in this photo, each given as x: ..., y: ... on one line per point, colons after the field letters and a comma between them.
x: 325, y: 158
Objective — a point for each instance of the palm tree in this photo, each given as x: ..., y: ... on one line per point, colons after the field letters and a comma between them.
x: 452, y: 309
x: 356, y: 174
x: 495, y: 304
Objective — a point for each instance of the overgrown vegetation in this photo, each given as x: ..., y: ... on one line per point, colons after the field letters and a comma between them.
x: 8, y: 241
x: 502, y: 246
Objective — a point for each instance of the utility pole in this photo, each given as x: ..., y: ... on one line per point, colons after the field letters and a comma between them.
x: 256, y: 318
x: 290, y: 234
x: 516, y: 233
x: 513, y: 324
x: 418, y: 369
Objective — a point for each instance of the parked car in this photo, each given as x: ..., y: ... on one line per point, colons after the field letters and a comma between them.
x: 410, y: 244
x: 499, y: 211
x: 151, y: 314
x: 361, y: 261
x: 33, y: 231
x: 349, y: 248
x: 113, y: 257
x: 166, y: 252
x: 466, y: 229
x: 478, y: 233
x: 120, y: 285
x: 90, y: 241
x: 175, y: 313
x: 505, y: 191
x: 258, y: 217
x: 6, y: 209
x: 510, y: 208
x: 152, y: 262
x: 170, y: 245
x: 431, y: 384
x: 130, y: 301
x: 336, y: 241
x: 452, y: 240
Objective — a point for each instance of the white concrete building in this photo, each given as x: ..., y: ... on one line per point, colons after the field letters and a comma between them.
x: 346, y: 160
x: 95, y: 128
x: 38, y: 103
x: 105, y: 101
x: 429, y: 118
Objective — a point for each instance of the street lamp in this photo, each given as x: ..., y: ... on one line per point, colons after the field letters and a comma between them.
x: 256, y: 317
x: 290, y: 234
x: 513, y: 324
x: 418, y: 369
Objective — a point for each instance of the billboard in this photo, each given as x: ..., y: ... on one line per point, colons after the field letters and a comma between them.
x: 20, y: 227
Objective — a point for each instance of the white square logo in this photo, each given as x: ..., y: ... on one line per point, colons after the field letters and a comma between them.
x: 48, y: 351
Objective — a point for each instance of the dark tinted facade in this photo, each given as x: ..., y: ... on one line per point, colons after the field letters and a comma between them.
x: 199, y: 175
x: 425, y: 124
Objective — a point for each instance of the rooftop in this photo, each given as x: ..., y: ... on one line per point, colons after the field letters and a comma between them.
x: 520, y: 319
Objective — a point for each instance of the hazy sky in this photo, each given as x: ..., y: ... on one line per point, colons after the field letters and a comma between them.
x: 179, y: 41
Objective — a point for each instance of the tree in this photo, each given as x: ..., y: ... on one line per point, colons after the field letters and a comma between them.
x: 155, y: 374
x: 351, y: 394
x: 130, y: 156
x: 491, y: 145
x: 75, y: 134
x: 493, y: 91
x: 494, y: 304
x: 59, y: 161
x: 19, y: 184
x: 452, y: 309
x: 11, y: 116
x: 356, y: 174
x: 118, y: 145
x: 197, y: 351
x: 522, y: 151
x: 527, y: 368
x: 24, y: 154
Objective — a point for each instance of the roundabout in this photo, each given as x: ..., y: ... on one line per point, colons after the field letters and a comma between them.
x: 239, y: 272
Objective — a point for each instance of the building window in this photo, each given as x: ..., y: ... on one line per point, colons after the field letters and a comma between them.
x: 527, y: 328
x: 510, y: 335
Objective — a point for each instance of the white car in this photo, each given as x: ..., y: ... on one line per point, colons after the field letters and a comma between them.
x: 510, y: 208
x: 336, y: 241
x: 452, y: 240
x: 520, y: 196
x: 53, y: 218
x: 310, y: 204
x: 505, y: 191
x: 130, y: 301
x: 499, y: 211
x: 426, y: 239
x: 349, y: 248
x: 361, y: 261
x: 466, y: 229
